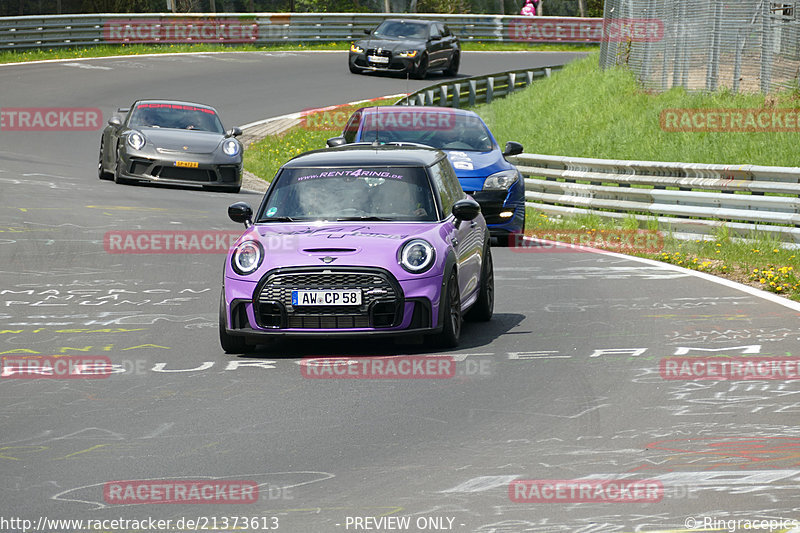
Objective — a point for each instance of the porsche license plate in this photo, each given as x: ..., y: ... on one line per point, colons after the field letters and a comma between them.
x: 378, y: 59
x: 186, y: 164
x: 327, y: 297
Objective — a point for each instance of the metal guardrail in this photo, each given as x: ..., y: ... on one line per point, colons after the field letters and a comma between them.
x: 682, y: 197
x: 51, y: 31
x: 477, y: 89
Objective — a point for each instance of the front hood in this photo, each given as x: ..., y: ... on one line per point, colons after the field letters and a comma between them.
x: 472, y: 168
x: 183, y: 141
x: 338, y: 244
x: 393, y: 44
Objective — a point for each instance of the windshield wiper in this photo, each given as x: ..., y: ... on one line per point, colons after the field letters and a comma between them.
x: 368, y: 217
x: 278, y: 219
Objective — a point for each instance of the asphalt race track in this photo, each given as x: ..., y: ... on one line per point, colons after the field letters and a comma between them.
x: 562, y: 384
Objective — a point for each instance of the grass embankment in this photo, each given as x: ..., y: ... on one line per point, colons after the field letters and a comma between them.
x: 106, y: 50
x: 582, y: 111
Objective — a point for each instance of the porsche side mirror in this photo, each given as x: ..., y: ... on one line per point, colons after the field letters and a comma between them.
x: 233, y: 132
x: 367, y: 32
x: 335, y: 141
x: 114, y: 121
x: 241, y: 212
x: 512, y: 148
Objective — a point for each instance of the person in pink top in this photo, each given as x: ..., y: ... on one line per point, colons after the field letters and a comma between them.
x: 528, y: 10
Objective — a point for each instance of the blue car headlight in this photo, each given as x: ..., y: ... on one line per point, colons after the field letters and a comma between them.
x: 417, y: 256
x: 247, y: 257
x: 136, y: 140
x: 501, y: 180
x: 230, y: 147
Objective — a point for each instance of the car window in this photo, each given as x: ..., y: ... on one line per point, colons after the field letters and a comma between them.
x: 351, y: 128
x: 394, y: 28
x: 435, y: 32
x: 444, y: 130
x: 447, y: 185
x: 175, y: 116
x: 351, y: 193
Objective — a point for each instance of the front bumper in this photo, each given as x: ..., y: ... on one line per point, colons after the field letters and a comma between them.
x: 389, y: 307
x: 394, y: 64
x: 211, y: 169
x: 495, y: 202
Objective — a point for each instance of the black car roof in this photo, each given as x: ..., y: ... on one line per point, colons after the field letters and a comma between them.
x: 367, y: 155
x: 410, y: 20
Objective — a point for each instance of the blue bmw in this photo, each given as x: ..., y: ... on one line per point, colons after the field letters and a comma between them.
x: 479, y: 163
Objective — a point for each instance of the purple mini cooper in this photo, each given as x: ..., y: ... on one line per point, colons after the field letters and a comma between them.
x: 358, y: 240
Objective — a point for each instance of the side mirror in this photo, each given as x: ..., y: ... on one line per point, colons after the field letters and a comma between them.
x: 123, y: 110
x: 241, y: 212
x: 512, y: 148
x: 367, y: 32
x: 336, y: 141
x: 233, y: 132
x: 114, y: 121
x: 466, y: 209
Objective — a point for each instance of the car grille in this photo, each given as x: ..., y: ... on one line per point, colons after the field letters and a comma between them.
x: 382, y: 53
x: 381, y: 299
x: 180, y: 173
x: 492, y: 203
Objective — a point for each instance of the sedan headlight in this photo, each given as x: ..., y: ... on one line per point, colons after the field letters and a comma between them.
x: 356, y: 49
x: 408, y: 53
x: 417, y: 256
x: 247, y: 257
x: 136, y: 140
x: 501, y: 180
x: 230, y: 147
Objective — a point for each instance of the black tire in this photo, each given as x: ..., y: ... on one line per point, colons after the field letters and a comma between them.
x: 451, y: 331
x: 422, y: 70
x: 484, y: 307
x: 102, y: 174
x: 214, y: 188
x: 230, y: 344
x: 455, y: 62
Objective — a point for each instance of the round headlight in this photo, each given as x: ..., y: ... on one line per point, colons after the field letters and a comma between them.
x: 230, y: 147
x: 417, y: 256
x: 136, y: 140
x: 247, y: 257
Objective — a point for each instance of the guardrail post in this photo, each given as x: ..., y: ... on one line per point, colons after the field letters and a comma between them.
x: 512, y: 80
x: 473, y: 85
x: 443, y: 95
x: 528, y: 77
x: 429, y: 96
x: 489, y: 89
x: 456, y: 95
x: 547, y: 72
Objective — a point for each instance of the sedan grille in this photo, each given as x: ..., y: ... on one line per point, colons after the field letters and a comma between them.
x: 381, y: 299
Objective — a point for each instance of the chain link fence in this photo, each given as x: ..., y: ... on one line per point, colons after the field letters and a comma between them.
x: 741, y: 45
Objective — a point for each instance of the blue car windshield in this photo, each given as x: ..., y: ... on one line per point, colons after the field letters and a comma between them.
x: 438, y: 129
x: 175, y: 116
x: 360, y: 193
x: 409, y: 30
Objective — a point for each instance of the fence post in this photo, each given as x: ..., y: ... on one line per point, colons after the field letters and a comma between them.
x: 712, y: 73
x: 737, y: 61
x: 766, y: 47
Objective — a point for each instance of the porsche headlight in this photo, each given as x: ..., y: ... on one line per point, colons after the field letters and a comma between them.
x: 136, y: 140
x: 230, y: 147
x: 417, y: 256
x: 501, y: 180
x: 356, y: 49
x: 247, y: 257
x: 408, y: 53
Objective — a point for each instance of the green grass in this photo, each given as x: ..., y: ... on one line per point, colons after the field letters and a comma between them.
x: 106, y: 50
x: 583, y: 111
